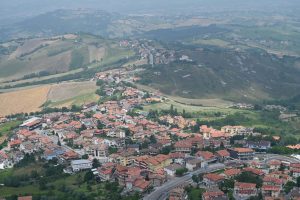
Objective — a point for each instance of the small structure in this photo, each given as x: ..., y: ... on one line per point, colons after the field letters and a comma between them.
x: 32, y: 123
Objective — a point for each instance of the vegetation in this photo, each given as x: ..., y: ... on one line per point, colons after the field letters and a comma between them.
x: 181, y: 171
x: 194, y: 193
x: 248, y: 177
x: 45, y: 180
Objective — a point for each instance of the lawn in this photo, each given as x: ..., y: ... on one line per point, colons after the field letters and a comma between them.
x: 195, y: 193
x: 204, y: 112
x: 6, y: 128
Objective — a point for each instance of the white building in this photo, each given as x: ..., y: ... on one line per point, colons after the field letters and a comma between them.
x: 78, y: 165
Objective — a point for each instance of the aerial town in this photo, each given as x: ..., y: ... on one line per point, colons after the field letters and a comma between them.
x: 159, y: 156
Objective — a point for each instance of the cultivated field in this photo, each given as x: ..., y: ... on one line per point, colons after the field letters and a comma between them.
x: 28, y: 100
x: 57, y: 95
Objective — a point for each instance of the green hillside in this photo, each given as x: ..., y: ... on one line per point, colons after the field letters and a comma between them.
x: 221, y: 73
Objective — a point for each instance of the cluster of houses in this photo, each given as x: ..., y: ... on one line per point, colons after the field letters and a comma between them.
x: 131, y: 149
x: 273, y: 180
x: 150, y: 52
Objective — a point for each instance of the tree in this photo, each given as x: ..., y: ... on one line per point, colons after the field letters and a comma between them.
x: 153, y: 139
x: 96, y: 163
x: 43, y: 184
x: 282, y: 167
x: 34, y: 174
x: 248, y: 177
x: 227, y: 185
x: 181, y: 171
x: 195, y: 178
x: 289, y: 186
x: 88, y: 176
x: 298, y: 182
x: 112, y: 150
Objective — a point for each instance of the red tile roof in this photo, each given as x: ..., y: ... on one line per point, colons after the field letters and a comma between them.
x: 270, y: 188
x: 25, y: 198
x: 272, y: 180
x: 243, y: 150
x: 223, y: 153
x: 274, y: 162
x: 15, y: 143
x: 141, y: 183
x: 183, y: 144
x: 257, y: 172
x: 241, y: 185
x: 213, y: 177
x: 232, y: 172
x: 212, y: 195
x: 205, y: 154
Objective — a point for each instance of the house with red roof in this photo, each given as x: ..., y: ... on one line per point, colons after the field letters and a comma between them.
x: 244, y: 191
x: 177, y: 157
x: 295, y: 169
x: 257, y: 172
x: 206, y: 157
x: 241, y: 153
x: 140, y: 185
x: 231, y: 173
x: 269, y: 180
x: 212, y: 195
x: 271, y: 191
x: 222, y: 155
x: 274, y: 165
x: 5, y: 162
x: 183, y: 146
x: 193, y: 164
x: 211, y: 180
x: 14, y: 144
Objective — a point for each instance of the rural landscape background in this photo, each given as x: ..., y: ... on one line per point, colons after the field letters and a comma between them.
x: 212, y: 62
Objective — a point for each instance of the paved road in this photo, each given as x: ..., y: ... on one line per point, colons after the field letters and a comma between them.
x: 161, y: 193
x: 269, y: 157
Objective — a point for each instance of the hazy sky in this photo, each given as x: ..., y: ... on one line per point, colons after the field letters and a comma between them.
x: 18, y: 9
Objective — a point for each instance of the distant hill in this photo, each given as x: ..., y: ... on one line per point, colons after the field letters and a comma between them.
x: 28, y: 58
x: 216, y: 72
x: 59, y: 22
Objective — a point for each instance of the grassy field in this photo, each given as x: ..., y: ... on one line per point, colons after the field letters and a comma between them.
x: 72, y: 93
x: 6, y: 128
x: 187, y: 101
x: 213, y: 42
x: 78, y: 100
x: 203, y: 112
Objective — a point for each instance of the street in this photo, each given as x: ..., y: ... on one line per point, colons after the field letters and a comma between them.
x: 161, y: 193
